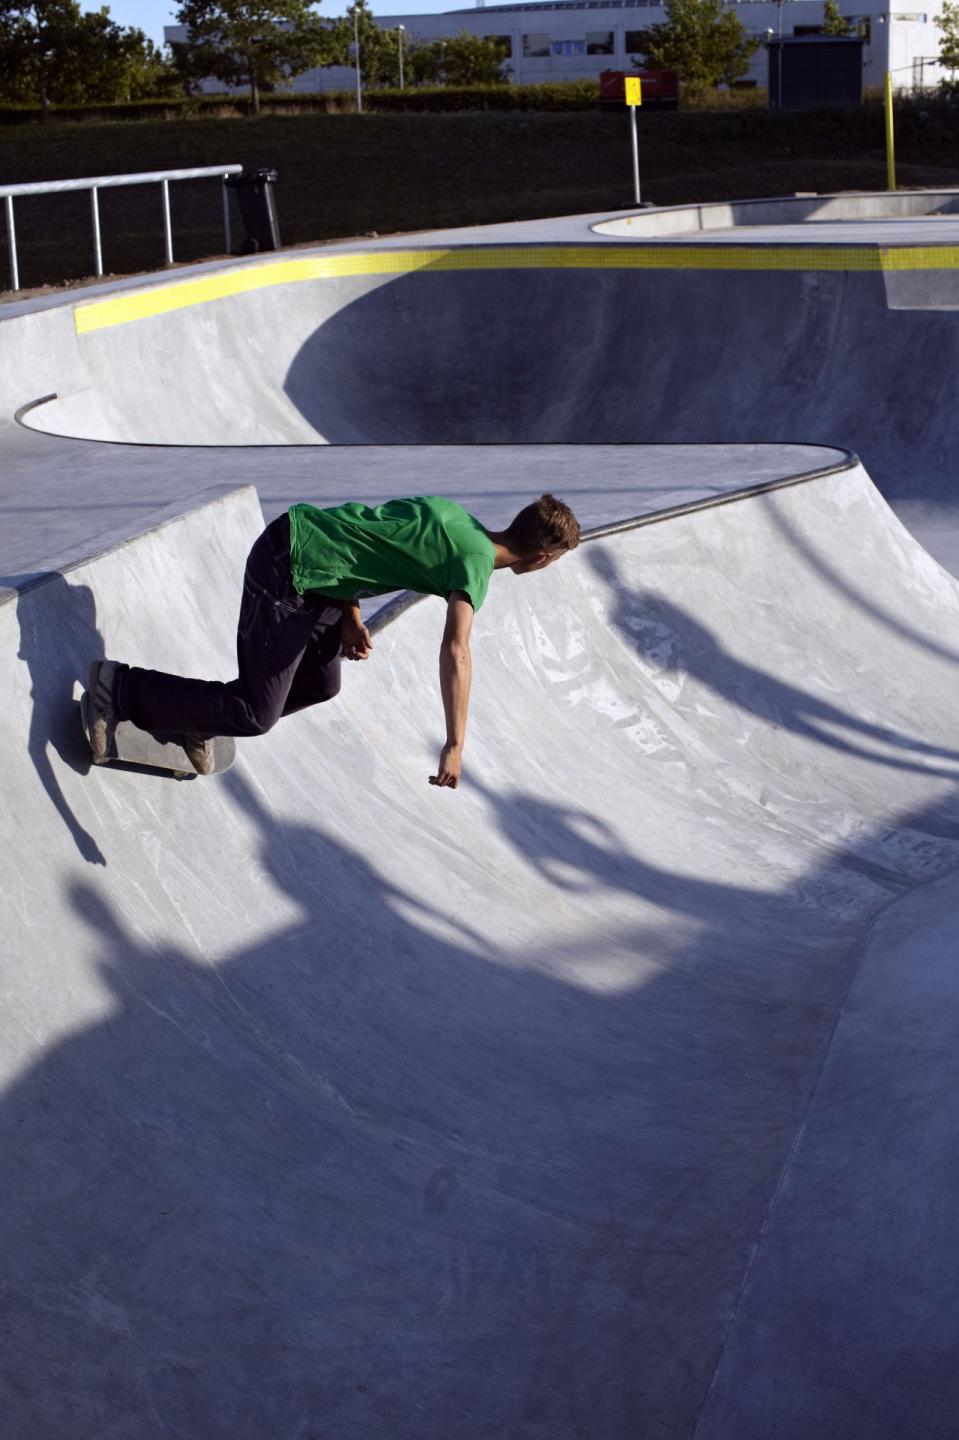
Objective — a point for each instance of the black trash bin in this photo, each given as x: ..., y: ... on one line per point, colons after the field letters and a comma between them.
x: 254, y: 191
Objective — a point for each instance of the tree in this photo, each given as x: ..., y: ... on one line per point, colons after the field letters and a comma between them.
x: 461, y: 60
x: 379, y: 47
x: 832, y: 22
x: 705, y: 43
x: 948, y: 23
x: 52, y: 53
x: 34, y: 42
x: 464, y: 59
x: 99, y: 61
x: 250, y: 42
x: 150, y: 74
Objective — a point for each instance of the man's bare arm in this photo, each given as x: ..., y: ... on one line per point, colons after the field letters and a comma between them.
x: 456, y: 673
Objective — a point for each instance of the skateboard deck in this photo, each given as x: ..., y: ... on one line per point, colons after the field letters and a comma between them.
x: 133, y: 746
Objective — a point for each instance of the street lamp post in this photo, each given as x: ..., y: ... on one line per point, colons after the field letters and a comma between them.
x: 400, y: 30
x: 356, y: 57
x: 779, y: 82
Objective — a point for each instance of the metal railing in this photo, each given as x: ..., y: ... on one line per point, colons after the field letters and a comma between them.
x: 8, y: 193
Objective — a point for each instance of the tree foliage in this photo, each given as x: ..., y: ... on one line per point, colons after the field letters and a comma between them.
x: 463, y: 59
x: 250, y: 42
x: 706, y: 43
x: 832, y: 22
x: 51, y: 53
x: 948, y: 23
x: 379, y: 48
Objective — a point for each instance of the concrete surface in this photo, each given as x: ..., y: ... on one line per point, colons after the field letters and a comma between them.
x: 598, y: 227
x: 854, y: 351
x: 336, y: 1104
x: 790, y: 210
x: 130, y: 487
x: 929, y: 230
x: 608, y: 1096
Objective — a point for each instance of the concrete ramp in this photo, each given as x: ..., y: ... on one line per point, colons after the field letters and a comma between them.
x: 840, y: 344
x: 607, y: 1096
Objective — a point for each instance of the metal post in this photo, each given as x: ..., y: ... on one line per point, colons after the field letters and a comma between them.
x: 12, y: 246
x: 890, y: 137
x: 167, y: 227
x: 632, y: 128
x: 97, y: 247
x: 227, y: 236
x: 779, y: 83
x: 399, y: 31
x: 356, y: 55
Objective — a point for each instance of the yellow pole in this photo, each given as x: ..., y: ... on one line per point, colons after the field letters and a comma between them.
x: 890, y: 137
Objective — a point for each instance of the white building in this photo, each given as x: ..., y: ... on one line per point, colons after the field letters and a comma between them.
x: 570, y: 39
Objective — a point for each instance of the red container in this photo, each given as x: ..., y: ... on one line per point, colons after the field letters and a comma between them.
x: 660, y: 88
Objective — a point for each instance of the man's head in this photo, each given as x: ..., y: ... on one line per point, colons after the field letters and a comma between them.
x: 540, y: 534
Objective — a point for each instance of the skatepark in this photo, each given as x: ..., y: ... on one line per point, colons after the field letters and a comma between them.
x: 610, y: 1095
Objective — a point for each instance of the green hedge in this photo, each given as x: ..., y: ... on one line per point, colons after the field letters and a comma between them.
x: 552, y: 95
x: 122, y: 110
x: 566, y: 95
x: 933, y: 111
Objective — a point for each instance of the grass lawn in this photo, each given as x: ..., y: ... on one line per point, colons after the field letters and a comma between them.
x: 347, y: 175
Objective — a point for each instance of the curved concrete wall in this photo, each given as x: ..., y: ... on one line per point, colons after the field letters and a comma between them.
x: 609, y: 1096
x: 784, y: 210
x: 605, y: 352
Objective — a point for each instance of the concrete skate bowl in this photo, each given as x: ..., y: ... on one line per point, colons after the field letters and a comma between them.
x: 854, y: 346
x: 609, y: 1096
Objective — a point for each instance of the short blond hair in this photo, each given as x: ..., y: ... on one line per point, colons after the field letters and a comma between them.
x: 546, y: 524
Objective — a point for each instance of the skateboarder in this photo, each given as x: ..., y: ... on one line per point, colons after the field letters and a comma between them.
x: 305, y: 577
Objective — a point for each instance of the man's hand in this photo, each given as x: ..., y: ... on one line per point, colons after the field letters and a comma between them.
x: 356, y: 641
x: 450, y: 767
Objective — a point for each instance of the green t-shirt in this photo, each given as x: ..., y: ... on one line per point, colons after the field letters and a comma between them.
x: 426, y: 544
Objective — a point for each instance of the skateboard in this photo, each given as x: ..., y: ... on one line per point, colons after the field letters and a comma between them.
x: 133, y: 746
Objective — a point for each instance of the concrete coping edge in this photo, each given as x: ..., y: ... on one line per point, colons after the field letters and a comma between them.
x: 405, y: 601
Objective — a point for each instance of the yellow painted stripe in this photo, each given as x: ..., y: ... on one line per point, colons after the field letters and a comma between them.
x: 133, y: 305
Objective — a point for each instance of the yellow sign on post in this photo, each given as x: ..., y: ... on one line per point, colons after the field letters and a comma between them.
x: 634, y: 97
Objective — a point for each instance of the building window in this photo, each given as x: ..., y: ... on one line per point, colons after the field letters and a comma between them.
x: 504, y: 43
x: 569, y: 47
x: 635, y: 42
x: 535, y: 46
x: 599, y: 42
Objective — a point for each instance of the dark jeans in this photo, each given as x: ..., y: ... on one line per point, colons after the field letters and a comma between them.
x: 288, y: 652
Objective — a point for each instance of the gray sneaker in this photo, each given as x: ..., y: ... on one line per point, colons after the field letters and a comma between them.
x: 101, y: 710
x: 200, y: 750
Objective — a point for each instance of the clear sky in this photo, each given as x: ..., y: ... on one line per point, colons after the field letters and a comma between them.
x: 150, y: 16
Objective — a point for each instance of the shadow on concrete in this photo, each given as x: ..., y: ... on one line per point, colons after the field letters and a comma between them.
x: 660, y: 357
x: 24, y: 581
x: 576, y: 851
x: 56, y: 664
x: 435, y: 358
x: 346, y: 1182
x: 821, y: 567
x: 669, y: 640
x: 375, y: 1174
